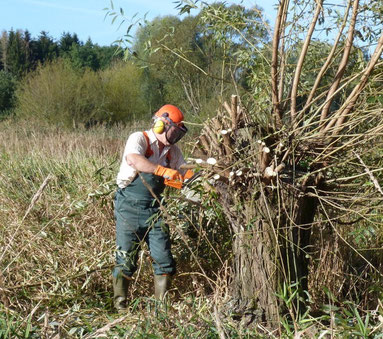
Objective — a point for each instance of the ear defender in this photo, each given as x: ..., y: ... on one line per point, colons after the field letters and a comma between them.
x: 159, y: 126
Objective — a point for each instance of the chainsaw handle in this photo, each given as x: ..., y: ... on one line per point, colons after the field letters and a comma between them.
x: 174, y: 183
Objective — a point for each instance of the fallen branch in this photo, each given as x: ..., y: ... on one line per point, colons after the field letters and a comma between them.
x: 101, y: 332
x: 367, y: 170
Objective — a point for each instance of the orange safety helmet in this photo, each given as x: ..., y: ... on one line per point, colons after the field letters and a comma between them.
x: 169, y: 120
x: 173, y: 113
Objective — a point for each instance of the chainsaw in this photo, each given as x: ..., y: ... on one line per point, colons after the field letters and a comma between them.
x: 179, y: 184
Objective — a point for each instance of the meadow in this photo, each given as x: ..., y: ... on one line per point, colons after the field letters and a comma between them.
x: 57, y: 251
x: 57, y: 243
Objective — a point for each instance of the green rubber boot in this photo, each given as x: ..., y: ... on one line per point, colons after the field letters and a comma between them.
x: 120, y: 293
x: 161, y: 286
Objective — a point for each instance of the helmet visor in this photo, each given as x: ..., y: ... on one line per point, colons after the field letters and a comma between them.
x: 175, y: 132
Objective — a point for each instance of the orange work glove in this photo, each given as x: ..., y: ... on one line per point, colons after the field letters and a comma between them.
x: 167, y: 173
x: 188, y: 174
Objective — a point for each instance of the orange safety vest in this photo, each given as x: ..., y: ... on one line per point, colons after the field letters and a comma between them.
x: 149, y: 151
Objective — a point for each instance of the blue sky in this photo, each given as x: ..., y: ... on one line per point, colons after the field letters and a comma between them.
x: 86, y: 17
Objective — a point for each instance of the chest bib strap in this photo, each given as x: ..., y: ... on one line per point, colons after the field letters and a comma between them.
x: 149, y: 151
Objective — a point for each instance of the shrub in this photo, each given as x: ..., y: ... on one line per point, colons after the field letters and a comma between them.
x: 48, y: 94
x: 58, y: 94
x: 124, y: 94
x: 7, y: 89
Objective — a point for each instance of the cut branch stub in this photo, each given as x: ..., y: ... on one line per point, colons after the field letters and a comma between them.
x: 205, y: 144
x: 211, y: 136
x: 264, y: 156
x: 227, y: 144
x: 233, y: 111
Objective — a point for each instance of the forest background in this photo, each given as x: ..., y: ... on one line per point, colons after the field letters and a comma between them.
x: 66, y: 108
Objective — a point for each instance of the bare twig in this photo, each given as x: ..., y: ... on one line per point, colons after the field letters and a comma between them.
x: 218, y: 322
x: 346, y: 242
x: 278, y: 32
x: 349, y: 104
x: 283, y: 60
x: 37, y: 195
x: 34, y: 200
x: 343, y: 62
x: 105, y: 329
x: 328, y: 60
x: 234, y: 111
x: 298, y: 68
x: 367, y: 170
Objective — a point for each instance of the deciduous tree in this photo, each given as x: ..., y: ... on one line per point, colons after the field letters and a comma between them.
x: 298, y: 161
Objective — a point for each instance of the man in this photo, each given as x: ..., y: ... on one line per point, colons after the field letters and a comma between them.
x: 150, y: 160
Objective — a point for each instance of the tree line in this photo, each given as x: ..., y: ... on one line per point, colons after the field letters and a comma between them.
x: 194, y: 61
x: 20, y: 53
x: 175, y: 60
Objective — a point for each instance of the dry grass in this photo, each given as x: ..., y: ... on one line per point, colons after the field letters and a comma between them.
x: 57, y: 240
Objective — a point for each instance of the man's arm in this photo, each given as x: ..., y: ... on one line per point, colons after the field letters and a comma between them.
x: 140, y: 163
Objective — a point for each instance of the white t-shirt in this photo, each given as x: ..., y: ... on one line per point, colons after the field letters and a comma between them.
x: 136, y: 144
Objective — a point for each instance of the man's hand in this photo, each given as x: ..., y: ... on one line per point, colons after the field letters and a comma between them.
x: 167, y: 173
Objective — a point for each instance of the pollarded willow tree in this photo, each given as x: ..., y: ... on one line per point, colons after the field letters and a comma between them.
x: 298, y: 149
x: 300, y: 155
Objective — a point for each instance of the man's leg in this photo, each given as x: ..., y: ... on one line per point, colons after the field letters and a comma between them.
x: 127, y: 242
x: 126, y: 264
x: 163, y: 262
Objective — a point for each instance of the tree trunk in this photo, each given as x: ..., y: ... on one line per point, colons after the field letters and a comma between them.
x: 255, y: 273
x: 270, y: 203
x: 270, y: 246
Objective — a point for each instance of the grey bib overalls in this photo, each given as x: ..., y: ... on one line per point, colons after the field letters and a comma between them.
x: 138, y: 219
